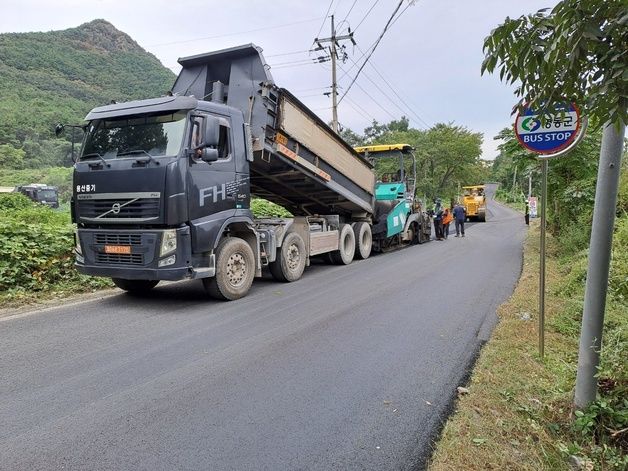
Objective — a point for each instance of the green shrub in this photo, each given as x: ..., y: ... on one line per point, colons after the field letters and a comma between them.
x: 574, y: 237
x: 14, y: 201
x: 36, y: 251
x: 263, y: 208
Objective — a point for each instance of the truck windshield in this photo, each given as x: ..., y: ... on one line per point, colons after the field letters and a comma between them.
x: 47, y: 194
x: 155, y: 135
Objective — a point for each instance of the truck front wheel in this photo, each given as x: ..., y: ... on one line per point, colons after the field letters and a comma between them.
x: 235, y: 270
x: 135, y: 286
x: 290, y: 261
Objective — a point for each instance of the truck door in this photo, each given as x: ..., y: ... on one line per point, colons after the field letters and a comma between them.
x: 212, y: 188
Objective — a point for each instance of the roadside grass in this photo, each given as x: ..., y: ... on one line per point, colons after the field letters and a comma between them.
x: 518, y: 413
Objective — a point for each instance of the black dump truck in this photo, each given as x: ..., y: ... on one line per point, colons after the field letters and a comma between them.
x: 162, y: 187
x: 40, y: 193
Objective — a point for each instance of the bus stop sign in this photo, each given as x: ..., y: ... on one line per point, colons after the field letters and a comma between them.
x: 557, y: 132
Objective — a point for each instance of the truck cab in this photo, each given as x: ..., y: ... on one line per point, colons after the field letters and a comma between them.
x: 155, y: 178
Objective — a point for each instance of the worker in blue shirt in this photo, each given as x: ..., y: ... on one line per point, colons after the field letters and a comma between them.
x: 460, y: 214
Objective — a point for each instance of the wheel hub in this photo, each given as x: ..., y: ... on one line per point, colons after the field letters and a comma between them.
x: 293, y: 257
x: 236, y: 269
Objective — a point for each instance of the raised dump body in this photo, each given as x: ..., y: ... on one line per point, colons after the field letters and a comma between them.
x: 298, y: 161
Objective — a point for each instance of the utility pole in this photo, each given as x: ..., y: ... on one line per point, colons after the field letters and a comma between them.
x: 333, y: 52
x: 599, y: 263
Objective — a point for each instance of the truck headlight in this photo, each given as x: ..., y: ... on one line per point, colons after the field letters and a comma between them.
x: 168, y: 242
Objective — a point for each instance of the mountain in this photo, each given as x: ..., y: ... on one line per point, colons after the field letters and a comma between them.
x: 58, y: 76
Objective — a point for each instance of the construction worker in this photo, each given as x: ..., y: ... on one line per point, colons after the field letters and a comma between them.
x: 460, y: 215
x: 437, y: 214
x: 447, y: 218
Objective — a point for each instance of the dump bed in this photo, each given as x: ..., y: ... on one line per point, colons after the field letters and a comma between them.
x: 299, y: 162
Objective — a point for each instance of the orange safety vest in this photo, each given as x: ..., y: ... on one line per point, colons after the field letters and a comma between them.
x: 447, y: 217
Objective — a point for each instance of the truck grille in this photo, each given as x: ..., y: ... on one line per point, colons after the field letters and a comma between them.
x: 120, y: 259
x: 118, y: 239
x: 104, y: 209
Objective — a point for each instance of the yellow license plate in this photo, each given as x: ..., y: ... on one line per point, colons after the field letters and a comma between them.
x: 119, y: 249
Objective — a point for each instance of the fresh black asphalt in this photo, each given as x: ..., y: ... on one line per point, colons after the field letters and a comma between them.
x: 351, y: 367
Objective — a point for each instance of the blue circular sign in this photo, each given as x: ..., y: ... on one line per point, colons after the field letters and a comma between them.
x: 557, y: 132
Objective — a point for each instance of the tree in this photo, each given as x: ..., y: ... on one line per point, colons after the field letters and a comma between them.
x: 446, y: 154
x: 10, y: 157
x: 577, y: 50
x: 571, y: 181
x: 451, y: 156
x: 374, y: 131
x: 350, y: 137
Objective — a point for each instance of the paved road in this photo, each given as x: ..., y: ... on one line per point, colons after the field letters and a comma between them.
x: 349, y: 368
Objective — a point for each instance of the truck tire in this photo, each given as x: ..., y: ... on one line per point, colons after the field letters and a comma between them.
x: 290, y: 261
x: 363, y: 240
x: 235, y: 270
x: 412, y: 234
x: 420, y: 237
x: 346, y: 246
x: 135, y: 286
x: 482, y: 216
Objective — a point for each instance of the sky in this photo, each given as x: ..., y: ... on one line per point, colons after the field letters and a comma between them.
x: 426, y: 66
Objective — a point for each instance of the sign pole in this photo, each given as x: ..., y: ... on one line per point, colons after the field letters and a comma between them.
x: 544, y: 165
x: 551, y: 136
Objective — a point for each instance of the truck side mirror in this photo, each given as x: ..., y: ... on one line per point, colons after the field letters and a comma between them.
x: 211, y: 133
x: 59, y: 128
x: 209, y: 155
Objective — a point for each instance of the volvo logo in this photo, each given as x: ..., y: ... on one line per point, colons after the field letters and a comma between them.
x: 115, y: 208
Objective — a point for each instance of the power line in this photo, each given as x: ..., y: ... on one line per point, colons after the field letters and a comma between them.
x: 349, y: 12
x: 410, y: 3
x: 367, y: 14
x: 297, y: 62
x: 375, y: 101
x: 287, y: 53
x: 408, y: 109
x: 310, y: 89
x: 405, y: 111
x: 355, y: 64
x: 402, y: 100
x: 373, y: 49
x: 293, y: 65
x: 361, y: 110
x: 325, y: 18
x: 237, y: 33
x: 362, y: 21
